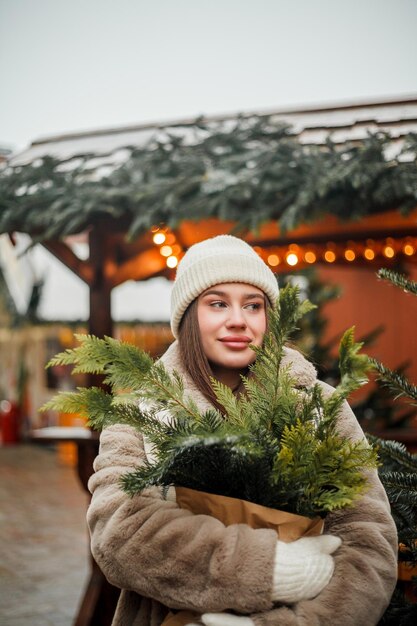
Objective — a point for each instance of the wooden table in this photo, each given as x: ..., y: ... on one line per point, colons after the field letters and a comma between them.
x: 100, y: 597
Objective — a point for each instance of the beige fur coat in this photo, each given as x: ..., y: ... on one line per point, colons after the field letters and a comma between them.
x: 162, y: 556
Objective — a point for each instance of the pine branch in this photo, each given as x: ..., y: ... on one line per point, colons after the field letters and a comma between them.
x: 398, y: 474
x: 125, y: 367
x: 92, y: 403
x: 353, y: 366
x: 271, y: 392
x: 397, y: 383
x: 205, y: 461
x: 394, y: 454
x: 121, y: 363
x: 311, y: 464
x: 353, y: 369
x: 230, y: 403
x: 399, y: 280
x: 401, y: 490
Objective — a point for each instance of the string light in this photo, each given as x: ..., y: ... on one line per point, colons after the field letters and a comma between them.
x: 329, y: 256
x: 310, y: 257
x: 350, y: 255
x: 292, y: 259
x: 293, y: 253
x: 166, y: 251
x: 159, y: 238
x: 409, y: 249
x: 273, y: 260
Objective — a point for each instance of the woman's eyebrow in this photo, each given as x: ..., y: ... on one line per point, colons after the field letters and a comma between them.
x: 223, y: 294
x: 249, y: 296
x: 214, y: 292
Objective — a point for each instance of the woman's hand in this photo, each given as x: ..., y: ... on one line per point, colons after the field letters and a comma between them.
x: 303, y: 568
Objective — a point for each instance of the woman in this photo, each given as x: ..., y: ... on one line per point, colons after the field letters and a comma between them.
x: 163, y: 557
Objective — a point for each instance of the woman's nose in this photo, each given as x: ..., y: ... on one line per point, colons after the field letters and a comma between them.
x: 236, y: 317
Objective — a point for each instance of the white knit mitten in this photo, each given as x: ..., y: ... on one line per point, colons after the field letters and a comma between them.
x: 225, y: 619
x: 303, y: 567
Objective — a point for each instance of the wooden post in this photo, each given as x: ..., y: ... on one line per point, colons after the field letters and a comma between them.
x: 100, y: 320
x: 100, y: 598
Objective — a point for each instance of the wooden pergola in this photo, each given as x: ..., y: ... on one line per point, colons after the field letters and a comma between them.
x: 331, y: 240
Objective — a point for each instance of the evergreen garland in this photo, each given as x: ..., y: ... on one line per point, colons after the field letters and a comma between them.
x: 250, y: 171
x: 276, y: 445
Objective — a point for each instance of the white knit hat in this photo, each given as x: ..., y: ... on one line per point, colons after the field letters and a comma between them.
x: 222, y: 259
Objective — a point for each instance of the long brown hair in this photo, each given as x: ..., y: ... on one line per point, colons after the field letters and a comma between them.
x: 193, y: 355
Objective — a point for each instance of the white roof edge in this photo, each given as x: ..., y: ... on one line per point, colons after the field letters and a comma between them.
x: 292, y: 109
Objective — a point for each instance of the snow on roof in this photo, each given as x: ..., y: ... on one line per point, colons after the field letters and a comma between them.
x: 344, y: 122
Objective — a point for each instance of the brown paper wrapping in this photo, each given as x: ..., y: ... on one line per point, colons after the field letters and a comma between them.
x: 288, y: 526
x: 181, y: 619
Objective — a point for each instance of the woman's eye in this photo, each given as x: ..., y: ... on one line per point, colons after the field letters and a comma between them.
x: 253, y: 306
x: 218, y: 304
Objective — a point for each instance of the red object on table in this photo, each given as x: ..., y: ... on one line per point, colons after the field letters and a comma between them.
x: 10, y: 422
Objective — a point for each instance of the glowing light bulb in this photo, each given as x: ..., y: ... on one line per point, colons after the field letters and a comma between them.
x: 329, y: 256
x: 310, y: 257
x: 350, y: 255
x: 273, y: 260
x: 172, y: 261
x: 389, y: 252
x: 369, y: 254
x: 292, y: 258
x: 166, y: 250
x: 409, y: 249
x: 159, y: 238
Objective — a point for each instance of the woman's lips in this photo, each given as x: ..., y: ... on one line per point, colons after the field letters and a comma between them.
x: 236, y: 342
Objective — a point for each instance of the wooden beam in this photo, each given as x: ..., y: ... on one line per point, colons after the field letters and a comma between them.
x: 64, y: 254
x: 330, y: 228
x: 144, y: 265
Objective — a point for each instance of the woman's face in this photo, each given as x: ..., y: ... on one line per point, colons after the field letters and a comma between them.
x: 231, y: 316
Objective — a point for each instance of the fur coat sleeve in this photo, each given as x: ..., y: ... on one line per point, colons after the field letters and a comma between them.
x: 365, y: 565
x: 149, y: 545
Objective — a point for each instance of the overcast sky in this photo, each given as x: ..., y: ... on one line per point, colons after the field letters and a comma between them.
x: 68, y: 65
x: 79, y: 64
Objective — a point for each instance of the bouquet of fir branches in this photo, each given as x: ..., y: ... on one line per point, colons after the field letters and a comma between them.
x: 276, y: 444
